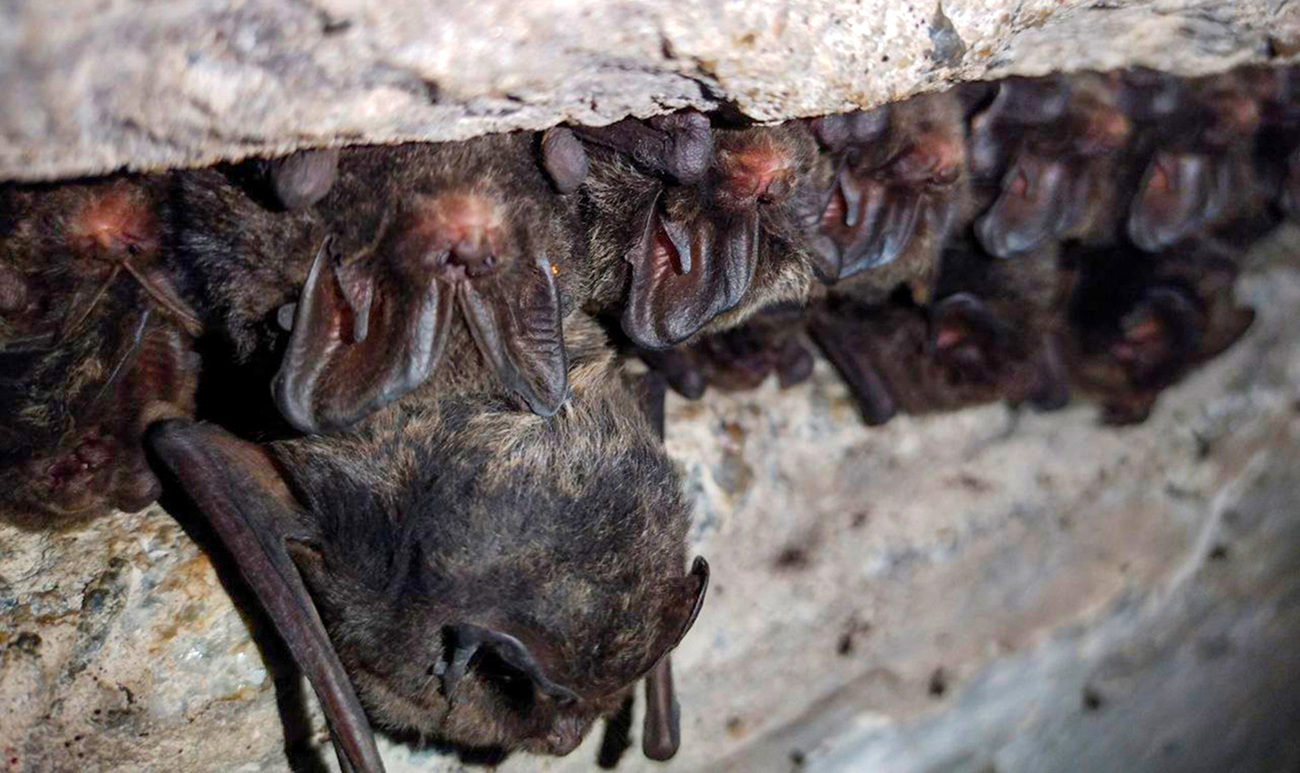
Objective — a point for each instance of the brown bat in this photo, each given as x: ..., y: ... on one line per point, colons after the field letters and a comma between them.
x: 95, y: 343
x: 1043, y: 180
x: 491, y: 578
x: 1138, y: 326
x: 413, y: 247
x: 894, y: 188
x: 696, y: 230
x: 991, y: 334
x: 1197, y: 164
x: 771, y: 341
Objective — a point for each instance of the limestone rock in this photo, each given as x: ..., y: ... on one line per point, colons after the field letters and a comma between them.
x: 88, y: 86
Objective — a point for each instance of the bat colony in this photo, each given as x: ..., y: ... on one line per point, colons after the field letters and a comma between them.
x: 453, y: 506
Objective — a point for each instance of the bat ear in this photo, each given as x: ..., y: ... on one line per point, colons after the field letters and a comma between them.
x: 564, y: 159
x: 1160, y: 335
x: 521, y: 335
x: 1172, y: 201
x: 964, y: 333
x: 464, y: 641
x: 1035, y: 195
x: 661, y: 734
x: 301, y: 179
x: 360, y: 340
x: 686, y: 273
x: 237, y: 490
x: 889, y: 218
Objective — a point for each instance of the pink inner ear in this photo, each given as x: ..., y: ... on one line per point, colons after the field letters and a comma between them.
x: 665, y: 256
x: 950, y: 334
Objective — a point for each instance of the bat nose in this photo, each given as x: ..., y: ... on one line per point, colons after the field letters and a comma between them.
x: 474, y: 254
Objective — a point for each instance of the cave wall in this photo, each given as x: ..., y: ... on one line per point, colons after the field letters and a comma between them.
x: 88, y: 86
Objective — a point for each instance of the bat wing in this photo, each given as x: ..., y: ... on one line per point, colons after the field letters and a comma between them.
x: 236, y: 490
x: 360, y: 340
x: 854, y: 364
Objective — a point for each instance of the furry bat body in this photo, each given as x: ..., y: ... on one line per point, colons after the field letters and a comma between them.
x: 95, y: 343
x: 413, y: 249
x: 1139, y: 325
x: 989, y: 335
x: 678, y: 248
x: 486, y: 575
x: 893, y: 188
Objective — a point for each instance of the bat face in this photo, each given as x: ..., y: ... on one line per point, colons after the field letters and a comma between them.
x: 95, y: 342
x: 412, y: 248
x: 892, y: 184
x: 1138, y: 327
x: 458, y: 555
x: 1057, y: 180
x: 1200, y: 173
x: 685, y: 258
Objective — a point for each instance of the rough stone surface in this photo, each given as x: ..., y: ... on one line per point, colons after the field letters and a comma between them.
x: 88, y: 86
x: 980, y: 592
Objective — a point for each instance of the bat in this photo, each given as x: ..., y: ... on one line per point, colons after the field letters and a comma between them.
x: 771, y: 341
x: 893, y: 188
x: 1047, y: 159
x: 412, y: 247
x: 1140, y: 326
x: 988, y: 335
x: 95, y: 343
x: 677, y: 248
x: 488, y: 577
x: 1197, y: 165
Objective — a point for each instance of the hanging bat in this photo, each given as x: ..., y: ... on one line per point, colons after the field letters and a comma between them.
x: 1277, y: 144
x: 1197, y: 165
x: 989, y: 335
x: 893, y: 189
x: 95, y: 343
x: 771, y: 341
x: 696, y: 231
x: 1138, y: 326
x: 412, y: 247
x: 490, y: 578
x: 1049, y: 175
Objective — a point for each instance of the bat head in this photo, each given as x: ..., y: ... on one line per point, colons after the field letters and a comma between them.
x: 979, y: 354
x: 891, y: 180
x: 1139, y: 325
x: 685, y: 258
x: 94, y: 344
x: 462, y: 239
